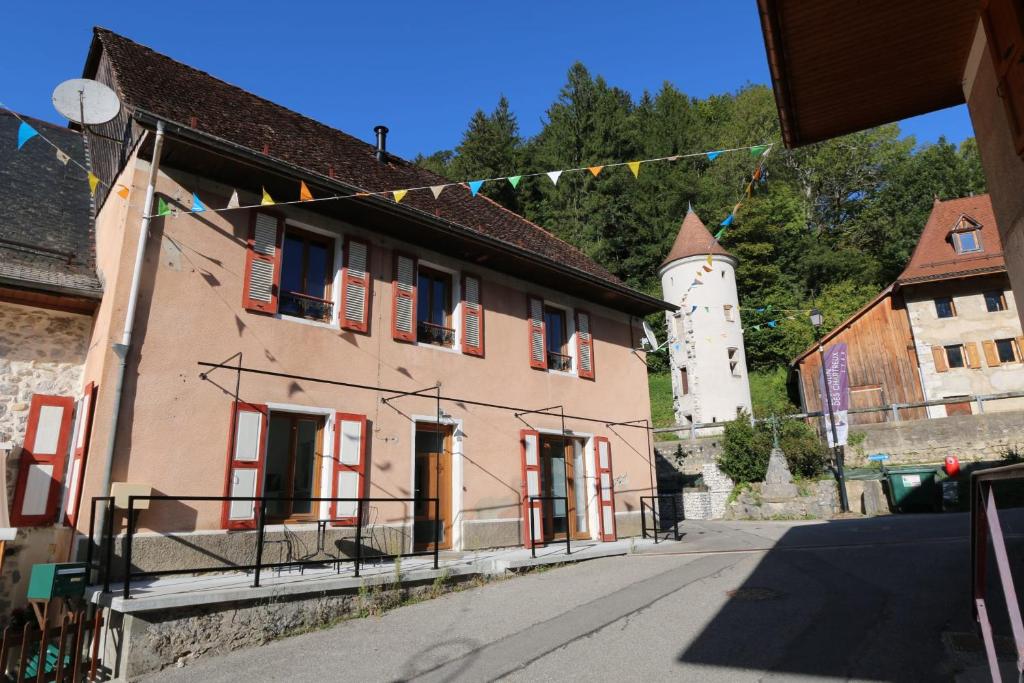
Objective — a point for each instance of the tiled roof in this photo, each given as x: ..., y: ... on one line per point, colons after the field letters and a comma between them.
x: 936, y: 257
x: 693, y: 240
x: 46, y: 229
x: 188, y: 96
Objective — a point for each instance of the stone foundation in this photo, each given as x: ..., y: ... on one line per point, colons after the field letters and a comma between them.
x: 814, y: 500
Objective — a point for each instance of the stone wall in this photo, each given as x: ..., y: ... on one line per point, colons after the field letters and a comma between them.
x: 969, y: 437
x: 817, y: 500
x: 41, y: 352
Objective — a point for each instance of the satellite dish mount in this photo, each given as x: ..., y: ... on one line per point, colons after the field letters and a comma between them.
x: 87, y: 103
x: 652, y: 339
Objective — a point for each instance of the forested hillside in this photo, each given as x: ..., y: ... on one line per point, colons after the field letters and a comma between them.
x: 829, y: 226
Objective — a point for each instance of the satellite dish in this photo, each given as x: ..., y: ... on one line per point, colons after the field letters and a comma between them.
x: 86, y: 101
x: 652, y: 338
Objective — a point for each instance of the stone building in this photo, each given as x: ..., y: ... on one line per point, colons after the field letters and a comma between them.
x: 49, y: 291
x: 707, y: 361
x: 947, y: 328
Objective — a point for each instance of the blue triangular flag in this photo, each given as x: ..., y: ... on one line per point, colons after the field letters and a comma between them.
x: 760, y: 310
x: 474, y: 186
x: 693, y: 308
x: 773, y: 323
x: 25, y: 133
x: 728, y: 221
x: 713, y: 155
x: 197, y: 206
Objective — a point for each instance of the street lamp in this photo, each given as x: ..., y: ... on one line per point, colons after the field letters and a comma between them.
x: 816, y: 320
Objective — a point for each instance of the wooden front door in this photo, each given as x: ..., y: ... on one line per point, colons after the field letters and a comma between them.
x: 433, y: 479
x: 563, y: 476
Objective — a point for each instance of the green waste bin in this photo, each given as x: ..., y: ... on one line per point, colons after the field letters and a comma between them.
x: 914, y: 489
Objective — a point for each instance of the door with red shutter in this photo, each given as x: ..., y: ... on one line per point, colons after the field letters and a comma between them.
x: 263, y: 262
x: 403, y: 307
x: 605, y: 488
x: 472, y: 316
x: 79, y: 452
x: 247, y: 447
x: 349, y: 480
x: 537, y: 336
x: 356, y: 286
x: 37, y: 491
x: 529, y: 448
x: 584, y: 345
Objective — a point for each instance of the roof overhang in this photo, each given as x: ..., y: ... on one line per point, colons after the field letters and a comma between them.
x: 224, y: 161
x: 841, y: 67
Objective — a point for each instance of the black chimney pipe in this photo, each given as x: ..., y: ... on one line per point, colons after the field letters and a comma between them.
x: 382, y: 141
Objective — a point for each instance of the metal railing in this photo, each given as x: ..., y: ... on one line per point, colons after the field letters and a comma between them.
x: 533, y: 530
x: 656, y: 517
x: 985, y: 526
x: 559, y: 361
x: 432, y: 333
x: 260, y: 534
x: 312, y: 307
x: 107, y: 561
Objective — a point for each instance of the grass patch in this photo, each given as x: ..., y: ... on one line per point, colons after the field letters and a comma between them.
x: 768, y: 394
x: 662, y: 414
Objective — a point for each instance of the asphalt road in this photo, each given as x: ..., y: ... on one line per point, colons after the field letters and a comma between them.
x: 850, y: 600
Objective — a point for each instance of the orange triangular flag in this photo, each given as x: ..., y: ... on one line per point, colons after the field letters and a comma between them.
x: 594, y: 170
x: 123, y: 192
x: 634, y: 166
x: 304, y: 194
x: 399, y: 195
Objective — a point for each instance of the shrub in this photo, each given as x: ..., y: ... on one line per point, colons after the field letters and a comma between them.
x: 745, y: 451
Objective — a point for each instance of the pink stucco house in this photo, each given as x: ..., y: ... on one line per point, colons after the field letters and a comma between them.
x: 434, y: 348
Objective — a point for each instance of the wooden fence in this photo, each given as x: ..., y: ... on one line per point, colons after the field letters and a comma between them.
x: 68, y: 651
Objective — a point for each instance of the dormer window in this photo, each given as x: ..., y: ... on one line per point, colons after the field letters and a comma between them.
x: 966, y: 235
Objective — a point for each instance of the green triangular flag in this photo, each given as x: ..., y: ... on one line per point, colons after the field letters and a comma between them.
x: 514, y: 180
x: 162, y: 207
x: 758, y: 150
x: 718, y: 235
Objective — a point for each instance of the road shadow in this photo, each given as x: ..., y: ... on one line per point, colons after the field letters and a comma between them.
x: 868, y: 599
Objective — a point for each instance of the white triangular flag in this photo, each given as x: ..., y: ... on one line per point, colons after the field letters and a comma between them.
x: 436, y: 190
x: 63, y: 158
x: 554, y: 176
x: 233, y: 202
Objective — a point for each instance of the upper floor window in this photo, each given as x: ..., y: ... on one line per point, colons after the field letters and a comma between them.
x: 557, y: 339
x: 967, y: 241
x: 944, y: 307
x: 434, y: 308
x: 955, y: 356
x: 1006, y: 349
x: 995, y: 301
x: 734, y: 360
x: 307, y: 271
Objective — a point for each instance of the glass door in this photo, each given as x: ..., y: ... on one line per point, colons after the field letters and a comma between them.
x: 292, y: 469
x: 433, y: 479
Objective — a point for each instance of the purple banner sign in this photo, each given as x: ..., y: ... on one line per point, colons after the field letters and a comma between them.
x: 835, y: 372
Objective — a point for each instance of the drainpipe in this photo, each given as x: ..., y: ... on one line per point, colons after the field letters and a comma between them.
x: 121, y: 350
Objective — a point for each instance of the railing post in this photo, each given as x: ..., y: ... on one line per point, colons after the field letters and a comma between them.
x: 109, y: 554
x: 981, y: 404
x: 533, y: 535
x: 643, y: 519
x: 675, y: 518
x: 437, y: 526
x: 89, y: 546
x: 895, y: 412
x: 359, y: 534
x: 261, y: 530
x: 128, y: 548
x: 568, y: 551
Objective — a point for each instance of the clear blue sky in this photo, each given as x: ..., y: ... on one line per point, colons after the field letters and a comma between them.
x: 421, y: 68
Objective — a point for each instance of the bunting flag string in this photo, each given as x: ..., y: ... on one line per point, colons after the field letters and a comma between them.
x: 27, y: 132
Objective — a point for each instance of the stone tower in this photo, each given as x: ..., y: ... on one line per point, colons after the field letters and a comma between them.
x: 709, y: 368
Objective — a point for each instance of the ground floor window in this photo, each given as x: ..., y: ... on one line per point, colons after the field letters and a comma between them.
x: 292, y: 470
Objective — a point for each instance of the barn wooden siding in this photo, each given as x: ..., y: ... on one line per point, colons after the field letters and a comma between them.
x: 882, y: 362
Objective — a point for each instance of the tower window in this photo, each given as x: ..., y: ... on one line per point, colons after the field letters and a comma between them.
x: 734, y: 361
x: 729, y: 316
x: 684, y: 382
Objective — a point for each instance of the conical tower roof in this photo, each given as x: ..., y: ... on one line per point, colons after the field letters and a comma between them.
x: 693, y: 240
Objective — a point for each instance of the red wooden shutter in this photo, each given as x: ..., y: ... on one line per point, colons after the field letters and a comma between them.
x: 529, y: 447
x: 605, y: 487
x: 403, y: 308
x: 472, y: 316
x: 356, y: 283
x: 538, y: 338
x: 263, y: 262
x: 41, y: 466
x: 79, y: 452
x: 349, y: 480
x: 584, y: 346
x: 246, y: 451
